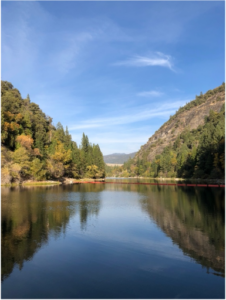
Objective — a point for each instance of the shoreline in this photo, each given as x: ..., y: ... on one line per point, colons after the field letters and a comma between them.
x: 67, y: 181
x: 64, y: 181
x: 215, y: 180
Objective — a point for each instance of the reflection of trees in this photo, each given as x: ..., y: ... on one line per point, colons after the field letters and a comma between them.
x: 86, y: 208
x: 89, y: 203
x: 30, y: 215
x: 192, y: 218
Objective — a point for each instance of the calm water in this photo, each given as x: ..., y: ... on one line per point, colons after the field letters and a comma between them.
x: 113, y: 241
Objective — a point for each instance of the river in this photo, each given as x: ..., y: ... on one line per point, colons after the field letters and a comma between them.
x: 113, y: 241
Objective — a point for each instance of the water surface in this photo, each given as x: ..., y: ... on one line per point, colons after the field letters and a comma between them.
x: 113, y: 241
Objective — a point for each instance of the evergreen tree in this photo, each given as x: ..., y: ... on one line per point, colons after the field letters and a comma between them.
x: 1, y: 126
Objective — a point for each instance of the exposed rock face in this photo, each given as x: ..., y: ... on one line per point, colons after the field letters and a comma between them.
x: 189, y: 119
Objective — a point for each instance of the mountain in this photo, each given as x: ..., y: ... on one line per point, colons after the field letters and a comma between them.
x: 118, y: 158
x: 190, y: 144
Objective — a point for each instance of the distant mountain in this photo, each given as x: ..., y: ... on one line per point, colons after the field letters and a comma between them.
x: 118, y: 158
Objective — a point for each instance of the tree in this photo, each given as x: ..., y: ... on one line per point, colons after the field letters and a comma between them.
x: 25, y: 141
x: 4, y: 132
x: 92, y: 171
x: 37, y: 169
x: 61, y: 154
x: 67, y: 139
x: 21, y: 156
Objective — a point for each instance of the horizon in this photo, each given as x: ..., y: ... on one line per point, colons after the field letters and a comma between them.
x: 113, y: 70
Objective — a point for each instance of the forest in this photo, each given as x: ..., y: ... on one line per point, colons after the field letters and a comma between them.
x: 33, y: 148
x: 197, y: 153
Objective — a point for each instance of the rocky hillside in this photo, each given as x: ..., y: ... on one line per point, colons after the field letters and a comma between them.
x: 191, y: 116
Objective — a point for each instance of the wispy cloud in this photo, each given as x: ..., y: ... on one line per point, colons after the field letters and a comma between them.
x: 156, y: 59
x: 27, y: 43
x: 69, y: 53
x: 162, y: 111
x: 150, y: 94
x: 111, y: 140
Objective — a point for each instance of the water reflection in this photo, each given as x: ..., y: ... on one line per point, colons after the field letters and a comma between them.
x: 31, y: 215
x: 193, y: 219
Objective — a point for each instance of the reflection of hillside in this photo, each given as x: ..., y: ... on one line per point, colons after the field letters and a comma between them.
x: 31, y: 215
x: 193, y: 219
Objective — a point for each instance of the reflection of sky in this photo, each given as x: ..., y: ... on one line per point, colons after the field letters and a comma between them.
x: 121, y: 221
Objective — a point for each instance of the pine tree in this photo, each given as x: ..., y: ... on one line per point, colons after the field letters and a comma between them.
x: 67, y: 139
x: 1, y: 126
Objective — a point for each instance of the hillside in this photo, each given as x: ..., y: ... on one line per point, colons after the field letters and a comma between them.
x: 190, y: 144
x: 188, y: 117
x: 118, y: 158
x: 34, y: 149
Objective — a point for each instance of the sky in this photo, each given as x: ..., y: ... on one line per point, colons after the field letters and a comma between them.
x: 113, y: 70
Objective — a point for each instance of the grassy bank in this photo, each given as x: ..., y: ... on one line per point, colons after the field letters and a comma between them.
x: 46, y: 182
x: 41, y: 183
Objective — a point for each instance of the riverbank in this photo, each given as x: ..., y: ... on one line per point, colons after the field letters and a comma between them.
x: 63, y: 181
x: 198, y: 180
x: 83, y: 180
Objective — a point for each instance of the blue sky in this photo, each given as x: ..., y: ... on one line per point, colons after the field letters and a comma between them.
x: 113, y: 70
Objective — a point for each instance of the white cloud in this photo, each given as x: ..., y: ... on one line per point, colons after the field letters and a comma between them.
x: 150, y: 94
x: 163, y: 111
x: 69, y: 53
x: 157, y: 59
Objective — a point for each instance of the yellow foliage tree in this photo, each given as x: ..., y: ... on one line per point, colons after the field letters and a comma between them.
x: 22, y: 157
x: 61, y: 154
x: 92, y: 171
x: 55, y: 169
x: 37, y: 169
x: 25, y: 141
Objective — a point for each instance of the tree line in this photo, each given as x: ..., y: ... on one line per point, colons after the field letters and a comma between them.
x: 33, y: 148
